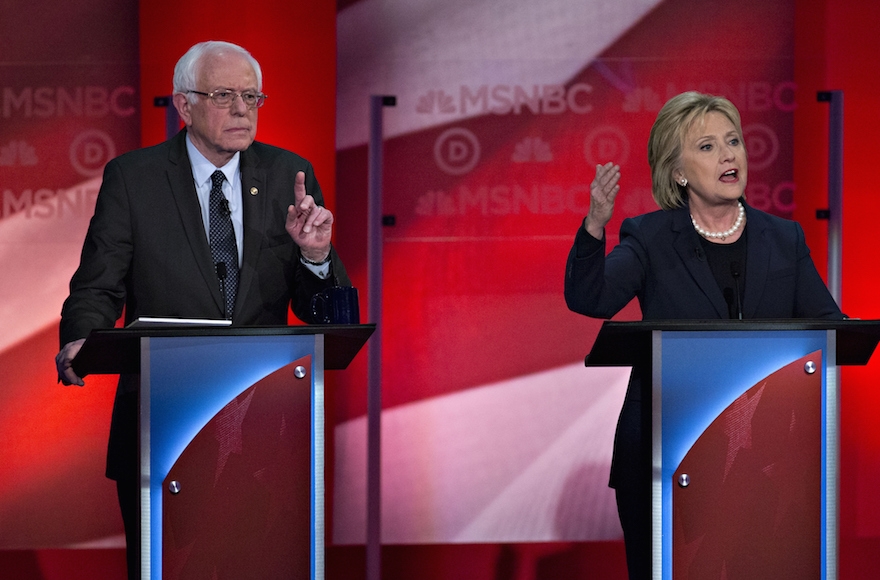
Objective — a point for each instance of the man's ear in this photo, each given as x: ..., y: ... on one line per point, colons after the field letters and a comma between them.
x: 182, y: 104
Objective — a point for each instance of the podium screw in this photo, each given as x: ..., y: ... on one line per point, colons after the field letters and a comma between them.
x: 684, y: 480
x: 810, y: 367
x: 299, y: 372
x: 174, y: 487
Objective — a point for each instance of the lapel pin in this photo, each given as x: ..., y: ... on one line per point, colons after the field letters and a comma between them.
x: 254, y: 191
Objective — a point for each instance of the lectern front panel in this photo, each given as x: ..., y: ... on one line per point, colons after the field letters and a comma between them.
x: 741, y: 418
x: 201, y: 397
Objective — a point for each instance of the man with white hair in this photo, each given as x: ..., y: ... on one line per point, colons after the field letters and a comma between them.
x: 151, y: 245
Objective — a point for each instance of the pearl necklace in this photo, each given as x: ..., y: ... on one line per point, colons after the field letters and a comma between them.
x: 729, y: 232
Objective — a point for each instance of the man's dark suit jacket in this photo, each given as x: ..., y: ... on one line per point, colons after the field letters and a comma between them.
x: 660, y: 261
x: 147, y: 249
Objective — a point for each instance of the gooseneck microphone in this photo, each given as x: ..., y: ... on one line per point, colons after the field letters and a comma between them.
x: 221, y: 275
x: 735, y: 272
x: 731, y: 302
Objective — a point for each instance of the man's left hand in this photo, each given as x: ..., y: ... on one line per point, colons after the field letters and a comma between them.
x: 309, y: 224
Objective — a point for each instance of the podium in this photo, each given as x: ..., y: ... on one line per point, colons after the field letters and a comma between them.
x: 231, y: 443
x: 745, y: 438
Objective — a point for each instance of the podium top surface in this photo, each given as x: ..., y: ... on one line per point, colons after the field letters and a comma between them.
x: 626, y: 343
x: 117, y: 350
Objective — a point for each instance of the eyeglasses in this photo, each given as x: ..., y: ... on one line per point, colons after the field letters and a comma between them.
x: 224, y: 99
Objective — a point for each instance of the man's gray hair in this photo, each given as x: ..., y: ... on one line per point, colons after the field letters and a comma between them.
x: 187, y: 68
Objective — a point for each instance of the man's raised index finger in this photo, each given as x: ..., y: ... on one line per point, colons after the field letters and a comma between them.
x: 299, y: 186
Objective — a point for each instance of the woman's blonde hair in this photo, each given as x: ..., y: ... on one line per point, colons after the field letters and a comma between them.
x: 667, y: 137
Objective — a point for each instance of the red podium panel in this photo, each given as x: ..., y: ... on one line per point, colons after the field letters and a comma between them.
x: 237, y: 498
x: 762, y: 447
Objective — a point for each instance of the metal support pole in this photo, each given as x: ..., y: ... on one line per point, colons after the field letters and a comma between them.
x: 374, y: 348
x: 835, y: 258
x: 172, y: 119
x: 835, y: 190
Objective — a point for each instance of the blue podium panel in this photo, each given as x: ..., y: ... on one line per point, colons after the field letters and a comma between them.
x: 697, y: 378
x: 185, y: 383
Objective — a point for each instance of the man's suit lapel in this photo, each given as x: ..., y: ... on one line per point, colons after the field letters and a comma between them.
x: 254, y: 194
x: 180, y: 178
x: 687, y: 245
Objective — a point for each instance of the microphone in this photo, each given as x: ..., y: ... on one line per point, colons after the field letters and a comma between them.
x: 221, y: 275
x: 698, y: 252
x: 728, y: 297
x: 225, y: 208
x: 735, y: 272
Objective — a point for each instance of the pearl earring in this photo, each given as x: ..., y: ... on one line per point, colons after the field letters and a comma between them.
x: 684, y: 182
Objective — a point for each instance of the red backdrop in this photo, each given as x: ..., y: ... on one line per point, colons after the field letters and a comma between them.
x: 835, y: 44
